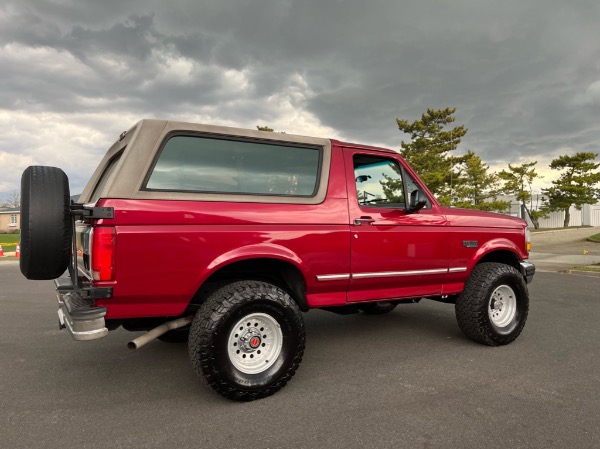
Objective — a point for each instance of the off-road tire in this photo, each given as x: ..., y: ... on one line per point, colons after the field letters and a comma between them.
x: 45, y: 223
x: 377, y: 308
x: 211, y: 335
x: 473, y: 306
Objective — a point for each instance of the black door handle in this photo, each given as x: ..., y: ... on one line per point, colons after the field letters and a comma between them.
x: 364, y: 220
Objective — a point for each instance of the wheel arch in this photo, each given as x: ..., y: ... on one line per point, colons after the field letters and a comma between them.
x: 503, y: 256
x: 500, y: 250
x: 282, y: 272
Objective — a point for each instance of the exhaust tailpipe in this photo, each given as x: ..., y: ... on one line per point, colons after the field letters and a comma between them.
x: 158, y: 331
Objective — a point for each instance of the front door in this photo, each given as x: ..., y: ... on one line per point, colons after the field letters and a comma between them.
x: 395, y: 254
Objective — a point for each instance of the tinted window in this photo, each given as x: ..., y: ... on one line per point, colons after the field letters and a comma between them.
x: 381, y: 181
x: 106, y: 175
x: 378, y: 181
x: 202, y: 164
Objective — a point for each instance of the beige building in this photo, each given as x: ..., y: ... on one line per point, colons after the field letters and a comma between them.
x: 10, y: 220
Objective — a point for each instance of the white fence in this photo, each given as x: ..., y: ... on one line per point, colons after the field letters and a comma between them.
x: 588, y: 216
x: 595, y: 215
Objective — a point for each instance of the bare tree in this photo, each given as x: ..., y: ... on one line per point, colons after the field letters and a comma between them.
x: 13, y: 199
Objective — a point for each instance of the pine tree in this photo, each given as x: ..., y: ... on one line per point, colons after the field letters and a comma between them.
x: 577, y: 184
x: 429, y: 149
x: 518, y: 181
x: 476, y: 188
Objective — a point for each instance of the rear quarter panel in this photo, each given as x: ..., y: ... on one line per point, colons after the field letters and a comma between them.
x: 166, y: 249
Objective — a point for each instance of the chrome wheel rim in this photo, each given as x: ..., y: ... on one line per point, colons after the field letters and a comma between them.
x: 503, y: 306
x: 255, y: 343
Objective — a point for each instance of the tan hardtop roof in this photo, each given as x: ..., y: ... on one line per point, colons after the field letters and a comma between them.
x: 143, y: 142
x: 246, y: 132
x: 174, y: 125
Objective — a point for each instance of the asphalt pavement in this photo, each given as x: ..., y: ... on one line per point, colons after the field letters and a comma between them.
x: 561, y: 250
x: 408, y: 379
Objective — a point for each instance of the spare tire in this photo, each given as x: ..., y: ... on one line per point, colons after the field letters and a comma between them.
x: 45, y: 223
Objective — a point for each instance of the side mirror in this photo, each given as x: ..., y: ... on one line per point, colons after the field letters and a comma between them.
x: 418, y: 200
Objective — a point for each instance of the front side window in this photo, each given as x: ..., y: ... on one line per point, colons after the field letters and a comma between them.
x: 378, y: 181
x: 202, y: 164
x: 382, y: 182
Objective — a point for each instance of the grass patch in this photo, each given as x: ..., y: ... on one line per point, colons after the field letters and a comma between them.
x: 595, y: 267
x: 594, y: 238
x: 9, y: 240
x: 588, y: 268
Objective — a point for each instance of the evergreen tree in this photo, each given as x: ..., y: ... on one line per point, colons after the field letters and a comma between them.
x: 476, y: 188
x: 518, y: 181
x: 577, y: 185
x: 429, y: 149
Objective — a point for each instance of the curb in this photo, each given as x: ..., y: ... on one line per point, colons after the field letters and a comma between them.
x: 594, y: 274
x: 552, y: 231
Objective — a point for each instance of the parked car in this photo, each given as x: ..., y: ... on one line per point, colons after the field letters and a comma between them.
x: 222, y: 237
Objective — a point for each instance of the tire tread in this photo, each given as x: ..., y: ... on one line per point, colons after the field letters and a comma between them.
x: 471, y: 305
x: 46, y: 223
x: 209, y: 317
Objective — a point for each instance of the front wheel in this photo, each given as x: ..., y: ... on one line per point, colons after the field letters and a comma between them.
x: 247, y: 340
x: 493, y: 308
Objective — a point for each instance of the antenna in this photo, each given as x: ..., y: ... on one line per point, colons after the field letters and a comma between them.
x: 451, y: 160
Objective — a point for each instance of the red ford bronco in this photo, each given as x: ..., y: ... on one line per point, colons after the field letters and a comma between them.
x: 222, y: 237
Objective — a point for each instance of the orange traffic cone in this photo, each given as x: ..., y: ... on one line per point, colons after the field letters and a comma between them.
x: 1, y: 251
x: 18, y: 253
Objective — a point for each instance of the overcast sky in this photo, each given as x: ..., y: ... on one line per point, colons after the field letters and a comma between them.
x: 523, y: 75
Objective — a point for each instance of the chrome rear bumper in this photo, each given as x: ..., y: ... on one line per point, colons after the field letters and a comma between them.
x: 82, y: 319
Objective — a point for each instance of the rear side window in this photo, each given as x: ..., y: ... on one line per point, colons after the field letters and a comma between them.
x: 204, y: 164
x: 105, y: 177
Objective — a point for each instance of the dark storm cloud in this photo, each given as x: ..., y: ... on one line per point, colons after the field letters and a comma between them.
x: 130, y: 45
x: 512, y: 78
x: 524, y: 76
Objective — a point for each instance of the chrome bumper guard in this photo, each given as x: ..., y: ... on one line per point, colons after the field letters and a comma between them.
x: 78, y: 315
x: 527, y: 270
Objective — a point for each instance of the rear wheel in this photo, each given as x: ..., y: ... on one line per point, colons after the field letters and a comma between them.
x: 493, y: 308
x: 45, y: 223
x: 247, y: 340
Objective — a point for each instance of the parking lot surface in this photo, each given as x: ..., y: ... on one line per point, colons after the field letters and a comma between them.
x: 560, y: 250
x: 407, y: 379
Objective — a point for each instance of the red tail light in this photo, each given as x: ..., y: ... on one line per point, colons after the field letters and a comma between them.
x: 103, y: 253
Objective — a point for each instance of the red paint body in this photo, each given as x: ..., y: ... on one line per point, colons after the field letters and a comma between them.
x: 165, y: 250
